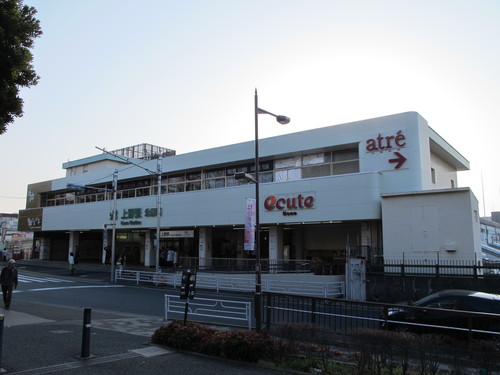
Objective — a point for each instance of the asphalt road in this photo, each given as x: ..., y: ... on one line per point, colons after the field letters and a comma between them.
x: 43, y: 331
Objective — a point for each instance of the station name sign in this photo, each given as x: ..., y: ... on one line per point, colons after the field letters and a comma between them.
x: 288, y: 203
x: 177, y: 234
x: 133, y: 216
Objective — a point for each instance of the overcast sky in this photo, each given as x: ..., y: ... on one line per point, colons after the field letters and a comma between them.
x: 182, y: 75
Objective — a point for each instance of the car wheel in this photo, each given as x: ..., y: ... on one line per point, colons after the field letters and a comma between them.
x: 401, y: 328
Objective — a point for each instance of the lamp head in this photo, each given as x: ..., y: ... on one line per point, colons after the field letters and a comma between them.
x: 242, y: 176
x: 283, y: 120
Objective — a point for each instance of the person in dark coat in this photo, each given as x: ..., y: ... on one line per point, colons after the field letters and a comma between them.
x: 8, y: 278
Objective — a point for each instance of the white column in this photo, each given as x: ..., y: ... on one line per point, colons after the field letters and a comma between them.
x: 366, y: 238
x: 44, y: 248
x: 74, y: 238
x: 149, y: 252
x: 205, y: 247
x: 275, y: 246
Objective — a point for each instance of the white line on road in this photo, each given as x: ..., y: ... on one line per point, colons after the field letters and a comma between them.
x: 69, y: 287
x: 33, y: 279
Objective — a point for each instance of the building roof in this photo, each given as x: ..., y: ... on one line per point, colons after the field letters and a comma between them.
x: 423, y: 192
x: 92, y: 159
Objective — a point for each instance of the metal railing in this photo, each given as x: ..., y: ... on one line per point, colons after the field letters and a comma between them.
x: 156, y: 278
x: 341, y: 315
x: 209, y: 310
x: 237, y: 284
x: 436, y: 268
x: 245, y: 265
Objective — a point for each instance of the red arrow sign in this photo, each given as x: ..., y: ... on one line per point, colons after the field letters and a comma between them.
x: 399, y: 159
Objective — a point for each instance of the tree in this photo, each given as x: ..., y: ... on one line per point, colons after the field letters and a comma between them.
x: 18, y: 30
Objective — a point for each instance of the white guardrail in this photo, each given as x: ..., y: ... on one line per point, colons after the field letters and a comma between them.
x: 232, y: 311
x: 240, y: 284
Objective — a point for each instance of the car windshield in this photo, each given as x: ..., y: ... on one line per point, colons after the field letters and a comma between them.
x: 424, y: 301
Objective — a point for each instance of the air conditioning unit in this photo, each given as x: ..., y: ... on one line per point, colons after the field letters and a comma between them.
x: 450, y: 247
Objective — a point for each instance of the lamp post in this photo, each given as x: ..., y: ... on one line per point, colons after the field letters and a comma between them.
x: 158, y: 174
x: 113, y: 229
x: 258, y: 272
x: 158, y: 213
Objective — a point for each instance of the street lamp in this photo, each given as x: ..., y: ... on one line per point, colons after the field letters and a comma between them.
x: 283, y: 120
x: 158, y: 174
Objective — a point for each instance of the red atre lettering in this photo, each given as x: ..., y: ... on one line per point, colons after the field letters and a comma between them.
x: 383, y: 143
x: 292, y: 203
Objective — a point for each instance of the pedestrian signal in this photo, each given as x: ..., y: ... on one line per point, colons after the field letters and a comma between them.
x: 188, y: 284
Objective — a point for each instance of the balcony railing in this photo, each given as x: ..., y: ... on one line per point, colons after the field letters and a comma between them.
x: 245, y: 265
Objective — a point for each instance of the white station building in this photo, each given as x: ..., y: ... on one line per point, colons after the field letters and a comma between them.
x: 380, y: 189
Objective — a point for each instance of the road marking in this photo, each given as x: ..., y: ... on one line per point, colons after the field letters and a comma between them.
x: 79, y: 364
x: 34, y: 279
x: 69, y: 287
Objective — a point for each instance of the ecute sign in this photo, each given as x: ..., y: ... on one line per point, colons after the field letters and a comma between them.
x: 289, y: 202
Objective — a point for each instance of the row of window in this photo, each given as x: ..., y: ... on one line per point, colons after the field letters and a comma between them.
x: 286, y: 169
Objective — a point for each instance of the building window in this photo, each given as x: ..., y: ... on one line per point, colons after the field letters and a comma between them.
x: 193, y: 181
x: 215, y: 183
x: 312, y: 165
x: 433, y: 175
x: 215, y: 178
x: 176, y: 183
x: 316, y: 171
x: 287, y: 175
x: 317, y: 165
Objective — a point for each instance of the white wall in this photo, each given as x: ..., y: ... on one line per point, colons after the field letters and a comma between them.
x: 444, y: 173
x: 432, y: 224
x: 92, y: 167
x: 343, y: 197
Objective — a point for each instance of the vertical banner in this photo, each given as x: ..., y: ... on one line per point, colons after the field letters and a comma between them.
x: 250, y: 222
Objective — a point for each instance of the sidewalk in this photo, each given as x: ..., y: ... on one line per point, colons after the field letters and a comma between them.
x: 45, y: 339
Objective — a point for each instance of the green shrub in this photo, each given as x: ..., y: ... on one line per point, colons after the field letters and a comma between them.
x: 186, y: 337
x: 247, y: 346
x: 213, y: 343
x: 242, y: 345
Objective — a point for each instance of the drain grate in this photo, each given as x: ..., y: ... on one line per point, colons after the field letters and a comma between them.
x: 151, y: 351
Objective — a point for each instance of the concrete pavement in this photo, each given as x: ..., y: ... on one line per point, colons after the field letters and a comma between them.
x: 47, y: 339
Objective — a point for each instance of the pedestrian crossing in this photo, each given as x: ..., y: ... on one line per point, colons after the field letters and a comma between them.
x: 34, y: 279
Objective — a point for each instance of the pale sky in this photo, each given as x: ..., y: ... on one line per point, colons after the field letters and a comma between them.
x: 182, y: 75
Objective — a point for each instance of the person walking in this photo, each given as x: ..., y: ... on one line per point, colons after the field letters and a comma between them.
x: 71, y: 260
x: 121, y: 263
x: 8, y: 278
x: 108, y: 255
x: 170, y: 259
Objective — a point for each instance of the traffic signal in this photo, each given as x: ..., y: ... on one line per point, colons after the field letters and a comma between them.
x: 188, y: 284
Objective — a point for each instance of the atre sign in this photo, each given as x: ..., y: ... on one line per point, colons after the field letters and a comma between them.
x: 287, y: 202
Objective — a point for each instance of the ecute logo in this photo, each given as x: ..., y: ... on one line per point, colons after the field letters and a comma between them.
x: 289, y: 202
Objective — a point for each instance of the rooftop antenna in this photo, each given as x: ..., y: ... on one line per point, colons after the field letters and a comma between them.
x: 482, y: 187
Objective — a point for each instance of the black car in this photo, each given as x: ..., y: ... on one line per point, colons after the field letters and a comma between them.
x: 451, y: 311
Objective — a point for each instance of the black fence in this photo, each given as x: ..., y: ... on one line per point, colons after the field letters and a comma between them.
x: 335, y: 314
x: 339, y: 315
x: 435, y: 268
x: 403, y: 267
